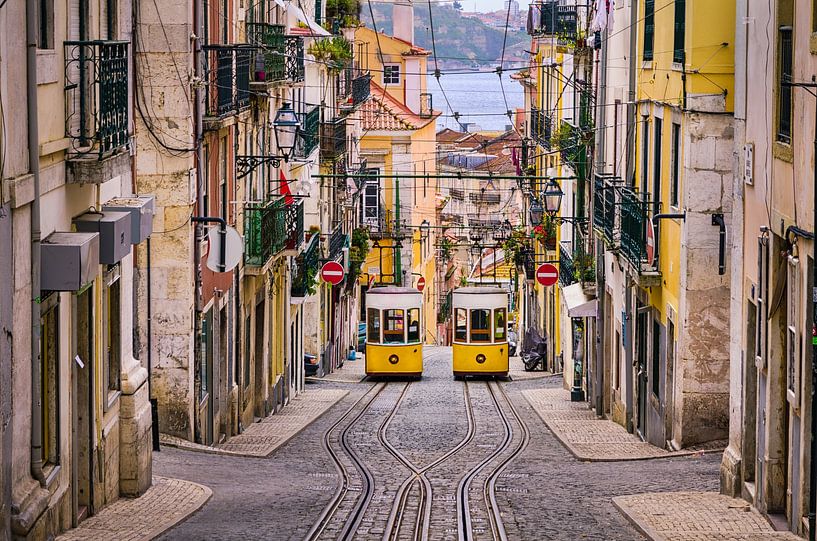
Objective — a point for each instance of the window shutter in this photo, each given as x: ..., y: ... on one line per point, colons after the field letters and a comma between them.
x: 680, y: 30
x: 649, y: 28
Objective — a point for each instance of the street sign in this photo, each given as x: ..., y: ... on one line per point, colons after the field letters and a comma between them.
x: 332, y: 272
x: 421, y: 283
x: 547, y: 274
x: 234, y: 248
x: 650, y: 244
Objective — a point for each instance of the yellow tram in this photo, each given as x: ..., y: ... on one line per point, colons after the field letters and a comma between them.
x: 394, y: 332
x: 480, y: 344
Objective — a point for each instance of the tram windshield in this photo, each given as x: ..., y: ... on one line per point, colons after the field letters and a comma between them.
x: 499, y: 325
x: 461, y: 332
x: 394, y: 328
x: 481, y: 325
x: 414, y: 325
x: 373, y: 327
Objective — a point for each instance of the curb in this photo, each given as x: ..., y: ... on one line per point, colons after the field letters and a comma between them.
x: 640, y: 528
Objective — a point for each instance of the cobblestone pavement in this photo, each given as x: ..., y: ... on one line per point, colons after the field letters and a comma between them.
x: 351, y: 372
x: 516, y: 370
x: 592, y: 439
x: 262, y: 438
x: 164, y: 504
x: 697, y: 516
x: 543, y: 494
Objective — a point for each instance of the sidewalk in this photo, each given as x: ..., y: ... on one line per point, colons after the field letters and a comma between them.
x: 592, y: 439
x: 262, y: 438
x: 350, y: 372
x: 516, y: 370
x: 165, y: 504
x: 696, y: 516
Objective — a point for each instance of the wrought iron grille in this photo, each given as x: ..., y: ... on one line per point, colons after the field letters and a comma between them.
x: 567, y: 269
x: 541, y: 127
x: 573, y: 151
x: 295, y: 58
x: 308, y: 136
x: 243, y: 61
x: 361, y: 88
x: 560, y: 20
x: 270, y: 228
x: 305, y: 267
x: 634, y: 216
x: 96, y: 92
x: 333, y: 138
x: 227, y: 73
x: 337, y: 241
x: 604, y: 207
x: 270, y: 51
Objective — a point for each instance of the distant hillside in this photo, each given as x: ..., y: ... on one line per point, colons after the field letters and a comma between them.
x: 461, y: 41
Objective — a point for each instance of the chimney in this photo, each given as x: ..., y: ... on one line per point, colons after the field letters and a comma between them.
x: 403, y: 17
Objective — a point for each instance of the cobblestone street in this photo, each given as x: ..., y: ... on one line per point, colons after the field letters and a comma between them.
x: 543, y: 493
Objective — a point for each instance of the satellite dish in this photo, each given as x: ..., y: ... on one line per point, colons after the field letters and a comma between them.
x: 234, y: 248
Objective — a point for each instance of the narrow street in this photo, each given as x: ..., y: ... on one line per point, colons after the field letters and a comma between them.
x: 393, y: 459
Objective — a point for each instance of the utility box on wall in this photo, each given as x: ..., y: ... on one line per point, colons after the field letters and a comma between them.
x: 141, y: 208
x: 114, y: 230
x: 68, y: 261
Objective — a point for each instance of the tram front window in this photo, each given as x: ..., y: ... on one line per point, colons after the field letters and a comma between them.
x: 480, y: 325
x: 414, y: 325
x: 393, y: 327
x: 373, y: 328
x: 461, y: 331
x: 499, y: 325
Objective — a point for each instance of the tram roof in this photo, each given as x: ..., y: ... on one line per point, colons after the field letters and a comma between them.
x: 393, y: 290
x: 481, y: 290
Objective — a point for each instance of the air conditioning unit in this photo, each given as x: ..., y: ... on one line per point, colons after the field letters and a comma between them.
x: 68, y: 260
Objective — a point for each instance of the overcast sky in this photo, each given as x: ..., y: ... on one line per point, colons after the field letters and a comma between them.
x: 489, y: 5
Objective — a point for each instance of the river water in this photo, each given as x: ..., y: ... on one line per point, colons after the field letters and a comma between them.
x: 477, y: 97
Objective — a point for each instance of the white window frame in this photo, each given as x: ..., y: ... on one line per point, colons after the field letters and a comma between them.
x: 794, y: 357
x: 373, y: 221
x: 389, y: 77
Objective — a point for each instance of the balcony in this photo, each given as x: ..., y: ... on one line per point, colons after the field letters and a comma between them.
x: 572, y: 149
x: 308, y: 135
x: 294, y: 59
x: 567, y: 269
x: 551, y: 18
x: 305, y: 268
x: 269, y: 57
x: 529, y: 263
x: 271, y: 228
x: 227, y: 75
x: 97, y: 113
x: 490, y: 198
x: 361, y: 88
x: 457, y: 193
x: 605, y: 217
x: 333, y: 138
x: 338, y: 240
x: 634, y: 215
x: 541, y: 127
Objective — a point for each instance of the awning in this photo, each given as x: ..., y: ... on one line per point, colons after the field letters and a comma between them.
x: 316, y: 29
x: 578, y: 304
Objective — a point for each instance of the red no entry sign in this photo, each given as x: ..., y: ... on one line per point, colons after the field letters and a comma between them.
x: 547, y: 274
x: 332, y: 272
x: 421, y: 283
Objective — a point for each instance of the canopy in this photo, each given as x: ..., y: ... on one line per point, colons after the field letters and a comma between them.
x: 578, y: 304
x: 316, y: 29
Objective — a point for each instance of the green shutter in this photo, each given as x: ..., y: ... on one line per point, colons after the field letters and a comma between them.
x: 680, y: 29
x: 649, y: 28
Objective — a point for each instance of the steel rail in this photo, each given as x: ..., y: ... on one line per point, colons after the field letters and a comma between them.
x: 343, y: 488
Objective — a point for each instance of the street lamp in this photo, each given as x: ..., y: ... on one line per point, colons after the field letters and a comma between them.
x: 552, y: 197
x: 286, y: 126
x: 536, y: 212
x: 425, y: 227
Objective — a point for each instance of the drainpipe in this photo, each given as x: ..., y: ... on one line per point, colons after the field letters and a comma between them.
x: 631, y: 97
x: 198, y: 114
x: 34, y: 168
x: 601, y: 321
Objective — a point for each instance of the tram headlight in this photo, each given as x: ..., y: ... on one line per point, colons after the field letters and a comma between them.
x: 480, y: 358
x: 393, y: 359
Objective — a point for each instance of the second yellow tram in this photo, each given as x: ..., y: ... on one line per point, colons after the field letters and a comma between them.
x: 480, y: 341
x: 394, y: 332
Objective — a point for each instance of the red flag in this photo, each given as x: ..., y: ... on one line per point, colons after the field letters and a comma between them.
x: 288, y: 199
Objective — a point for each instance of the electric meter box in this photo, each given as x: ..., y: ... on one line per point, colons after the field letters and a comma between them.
x: 68, y: 260
x: 114, y: 230
x: 141, y: 208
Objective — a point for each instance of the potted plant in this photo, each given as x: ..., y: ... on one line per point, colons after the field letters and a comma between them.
x: 358, y: 250
x: 545, y: 233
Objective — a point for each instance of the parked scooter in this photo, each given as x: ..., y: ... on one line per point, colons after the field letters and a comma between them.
x: 535, y: 354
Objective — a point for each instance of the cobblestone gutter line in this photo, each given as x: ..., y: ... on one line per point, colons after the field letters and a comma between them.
x: 592, y: 439
x: 516, y: 370
x: 260, y: 439
x: 165, y: 504
x: 696, y: 516
x: 350, y: 372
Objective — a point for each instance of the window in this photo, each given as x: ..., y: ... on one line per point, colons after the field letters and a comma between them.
x: 370, y: 208
x: 814, y: 16
x: 649, y: 28
x: 207, y: 357
x: 373, y: 326
x: 204, y: 171
x: 784, y: 103
x: 110, y: 16
x: 414, y: 325
x: 222, y: 178
x: 391, y: 74
x: 793, y: 360
x: 50, y: 377
x: 500, y: 325
x: 461, y: 325
x: 394, y: 328
x: 45, y: 30
x: 480, y: 325
x: 675, y: 173
x: 112, y: 346
x: 762, y: 295
x: 247, y: 346
x: 680, y: 30
x: 656, y: 164
x: 617, y: 363
x: 645, y: 155
x: 656, y: 358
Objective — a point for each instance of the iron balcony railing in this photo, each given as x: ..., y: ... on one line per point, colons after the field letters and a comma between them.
x: 337, y: 241
x: 308, y: 135
x: 270, y: 228
x: 484, y: 197
x: 529, y: 263
x: 305, y: 267
x: 333, y: 138
x: 541, y: 127
x: 227, y: 74
x: 96, y: 94
x: 573, y: 150
x: 294, y: 59
x: 605, y: 215
x: 269, y: 58
x: 567, y: 269
x: 457, y: 193
x: 634, y: 215
x: 361, y: 88
x: 551, y: 18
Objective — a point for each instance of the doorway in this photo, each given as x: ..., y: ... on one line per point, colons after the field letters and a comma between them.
x: 83, y: 407
x: 258, y: 359
x: 641, y: 371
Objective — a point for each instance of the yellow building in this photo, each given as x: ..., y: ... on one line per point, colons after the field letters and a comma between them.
x: 398, y: 143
